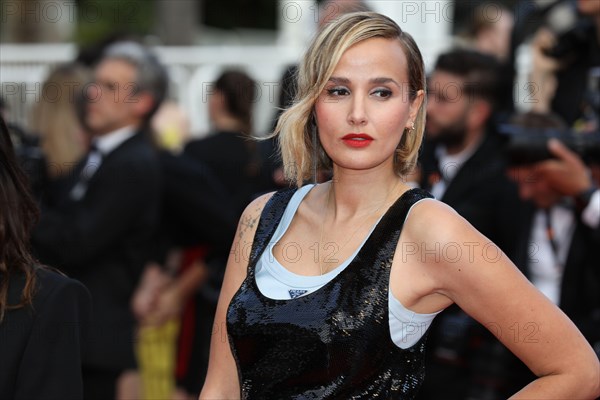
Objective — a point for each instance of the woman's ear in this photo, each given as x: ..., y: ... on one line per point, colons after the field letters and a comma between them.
x: 312, y: 120
x: 415, y: 105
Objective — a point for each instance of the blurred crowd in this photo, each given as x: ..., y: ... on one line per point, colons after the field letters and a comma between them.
x: 143, y: 212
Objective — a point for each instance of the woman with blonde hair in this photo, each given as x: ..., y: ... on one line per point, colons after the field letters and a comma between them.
x: 57, y: 121
x: 330, y: 288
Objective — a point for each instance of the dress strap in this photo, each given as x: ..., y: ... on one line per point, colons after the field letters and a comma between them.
x: 269, y: 220
x: 390, y: 226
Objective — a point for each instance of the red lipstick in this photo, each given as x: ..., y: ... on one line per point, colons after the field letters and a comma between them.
x: 357, y: 140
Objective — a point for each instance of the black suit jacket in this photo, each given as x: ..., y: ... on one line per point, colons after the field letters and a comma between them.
x: 41, y: 345
x: 103, y: 240
x: 196, y: 207
x: 481, y: 192
x: 580, y: 287
x: 580, y: 300
x: 234, y: 161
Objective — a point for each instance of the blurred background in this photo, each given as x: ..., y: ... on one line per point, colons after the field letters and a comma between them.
x: 198, y: 38
x: 230, y: 66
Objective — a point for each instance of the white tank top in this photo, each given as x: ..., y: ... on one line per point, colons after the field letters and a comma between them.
x: 276, y: 282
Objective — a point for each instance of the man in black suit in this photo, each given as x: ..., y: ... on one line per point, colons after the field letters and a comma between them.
x: 102, y: 234
x: 462, y: 165
x: 559, y: 238
x: 462, y: 161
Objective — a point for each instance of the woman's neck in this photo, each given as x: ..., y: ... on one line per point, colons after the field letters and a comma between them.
x: 225, y: 123
x: 354, y: 194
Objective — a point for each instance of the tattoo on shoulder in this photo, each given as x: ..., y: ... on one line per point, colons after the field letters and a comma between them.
x: 250, y: 220
x: 247, y: 223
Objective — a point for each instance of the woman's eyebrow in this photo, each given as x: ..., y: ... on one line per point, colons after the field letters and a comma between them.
x: 383, y: 80
x: 378, y: 81
x: 339, y: 80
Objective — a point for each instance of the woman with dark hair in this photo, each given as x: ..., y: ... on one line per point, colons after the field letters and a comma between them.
x: 229, y: 151
x: 231, y: 156
x: 43, y: 314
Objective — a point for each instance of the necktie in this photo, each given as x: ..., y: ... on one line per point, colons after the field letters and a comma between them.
x: 92, y: 163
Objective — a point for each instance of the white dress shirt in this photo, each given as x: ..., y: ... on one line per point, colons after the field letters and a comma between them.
x: 101, y: 146
x: 449, y: 165
x: 545, y: 265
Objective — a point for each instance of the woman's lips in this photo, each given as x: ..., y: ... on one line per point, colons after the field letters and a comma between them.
x: 357, y: 139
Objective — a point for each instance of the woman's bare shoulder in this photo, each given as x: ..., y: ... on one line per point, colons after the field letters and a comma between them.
x: 440, y: 237
x: 251, y: 215
x: 431, y: 220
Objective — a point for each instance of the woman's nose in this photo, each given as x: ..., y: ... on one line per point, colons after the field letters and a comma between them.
x: 357, y: 114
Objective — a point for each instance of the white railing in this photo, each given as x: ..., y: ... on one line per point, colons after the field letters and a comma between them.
x: 23, y: 69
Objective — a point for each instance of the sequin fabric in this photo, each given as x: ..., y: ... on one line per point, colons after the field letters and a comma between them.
x: 333, y: 343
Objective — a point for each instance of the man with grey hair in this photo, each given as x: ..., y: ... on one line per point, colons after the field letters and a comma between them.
x: 101, y: 235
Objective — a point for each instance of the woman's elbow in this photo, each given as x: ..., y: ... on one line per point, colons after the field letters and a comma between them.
x: 595, y: 390
x: 588, y: 378
x: 209, y: 393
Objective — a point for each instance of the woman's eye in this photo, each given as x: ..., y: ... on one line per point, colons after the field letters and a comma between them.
x: 337, y: 92
x: 383, y: 93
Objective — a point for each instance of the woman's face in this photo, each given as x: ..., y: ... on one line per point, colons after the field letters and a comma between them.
x: 365, y: 106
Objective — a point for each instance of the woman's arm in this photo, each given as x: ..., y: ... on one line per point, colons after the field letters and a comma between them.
x: 487, y: 286
x: 222, y: 380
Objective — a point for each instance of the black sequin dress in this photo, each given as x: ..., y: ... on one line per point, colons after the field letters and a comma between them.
x: 335, y: 342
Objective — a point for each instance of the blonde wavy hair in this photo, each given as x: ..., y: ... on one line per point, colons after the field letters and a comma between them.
x: 300, y: 148
x: 55, y: 120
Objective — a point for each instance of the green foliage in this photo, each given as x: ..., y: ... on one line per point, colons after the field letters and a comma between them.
x: 98, y: 19
x: 231, y: 14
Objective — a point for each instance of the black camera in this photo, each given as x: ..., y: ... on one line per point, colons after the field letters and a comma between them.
x: 530, y: 145
x: 573, y: 42
x: 526, y: 136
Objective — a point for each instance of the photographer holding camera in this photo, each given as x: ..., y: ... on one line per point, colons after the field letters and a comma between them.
x: 560, y: 219
x: 463, y: 166
x: 559, y: 231
x: 566, y: 68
